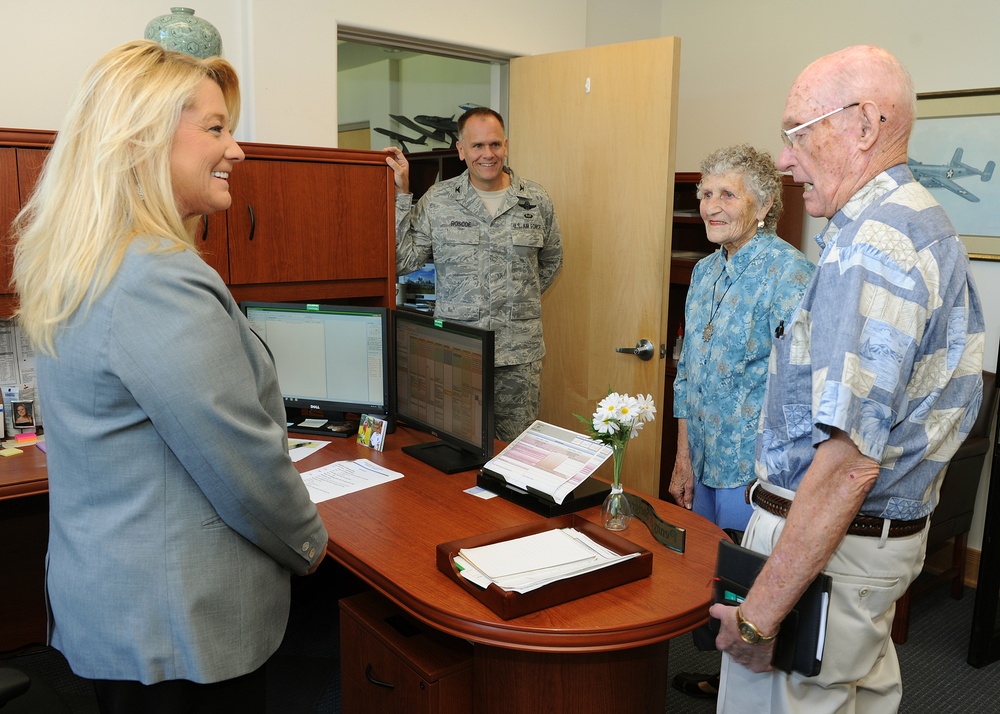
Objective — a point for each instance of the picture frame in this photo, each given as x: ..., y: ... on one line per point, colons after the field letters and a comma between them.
x: 954, y: 151
x: 371, y: 432
x: 22, y: 414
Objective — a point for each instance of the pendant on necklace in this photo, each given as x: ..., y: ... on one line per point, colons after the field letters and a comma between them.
x: 706, y: 334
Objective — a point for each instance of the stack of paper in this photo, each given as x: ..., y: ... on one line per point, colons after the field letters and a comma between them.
x: 524, y: 564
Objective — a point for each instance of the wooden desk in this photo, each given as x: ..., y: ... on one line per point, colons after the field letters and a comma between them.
x: 24, y: 523
x: 604, y: 652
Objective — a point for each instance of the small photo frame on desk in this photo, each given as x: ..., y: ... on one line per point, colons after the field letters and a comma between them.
x: 371, y: 432
x: 22, y: 414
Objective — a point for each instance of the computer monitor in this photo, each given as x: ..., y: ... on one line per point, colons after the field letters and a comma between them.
x: 332, y: 362
x: 444, y: 385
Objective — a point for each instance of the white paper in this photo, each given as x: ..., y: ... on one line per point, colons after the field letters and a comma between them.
x: 343, y: 477
x: 821, y: 640
x: 527, y: 563
x: 532, y: 552
x: 480, y: 492
x: 298, y: 449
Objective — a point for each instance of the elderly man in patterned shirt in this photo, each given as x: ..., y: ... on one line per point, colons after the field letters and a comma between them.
x: 872, y: 388
x: 496, y: 247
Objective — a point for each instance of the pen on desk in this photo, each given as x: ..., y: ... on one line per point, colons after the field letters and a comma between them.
x: 779, y: 330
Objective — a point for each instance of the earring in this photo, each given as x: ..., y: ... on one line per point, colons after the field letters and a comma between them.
x: 760, y: 224
x: 138, y: 185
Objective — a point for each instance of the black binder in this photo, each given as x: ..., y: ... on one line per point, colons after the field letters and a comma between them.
x: 798, y: 647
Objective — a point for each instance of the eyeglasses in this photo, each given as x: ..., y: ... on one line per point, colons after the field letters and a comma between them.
x: 786, y: 134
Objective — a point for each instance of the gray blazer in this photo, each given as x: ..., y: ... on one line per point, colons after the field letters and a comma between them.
x: 176, y: 515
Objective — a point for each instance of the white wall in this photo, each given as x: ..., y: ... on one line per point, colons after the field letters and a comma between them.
x: 426, y: 84
x: 284, y: 50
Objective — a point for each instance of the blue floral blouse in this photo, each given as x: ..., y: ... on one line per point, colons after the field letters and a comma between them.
x: 722, y: 371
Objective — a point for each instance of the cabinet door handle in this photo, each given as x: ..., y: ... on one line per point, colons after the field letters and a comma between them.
x: 204, y: 233
x: 253, y: 221
x: 377, y: 682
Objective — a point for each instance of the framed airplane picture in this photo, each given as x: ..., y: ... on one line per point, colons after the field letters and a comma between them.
x: 954, y: 152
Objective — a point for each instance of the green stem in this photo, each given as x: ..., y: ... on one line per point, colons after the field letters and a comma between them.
x: 619, y: 457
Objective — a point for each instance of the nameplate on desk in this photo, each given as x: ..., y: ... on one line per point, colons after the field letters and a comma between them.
x: 665, y: 533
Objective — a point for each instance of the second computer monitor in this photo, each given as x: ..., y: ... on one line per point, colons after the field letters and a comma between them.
x: 443, y: 374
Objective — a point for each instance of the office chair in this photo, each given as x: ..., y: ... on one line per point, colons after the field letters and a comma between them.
x: 953, y: 516
x: 13, y: 683
x: 23, y: 692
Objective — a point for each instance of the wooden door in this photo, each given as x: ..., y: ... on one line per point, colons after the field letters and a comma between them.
x: 596, y: 128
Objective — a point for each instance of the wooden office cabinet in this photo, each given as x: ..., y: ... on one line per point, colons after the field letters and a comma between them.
x: 306, y: 223
x: 212, y: 241
x: 19, y: 170
x: 429, y: 167
x: 393, y: 664
x: 9, y: 206
x: 296, y: 221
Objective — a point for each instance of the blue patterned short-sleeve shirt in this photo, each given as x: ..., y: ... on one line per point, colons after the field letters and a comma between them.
x: 719, y: 388
x: 887, y: 346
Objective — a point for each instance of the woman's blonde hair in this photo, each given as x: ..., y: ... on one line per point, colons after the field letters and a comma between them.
x: 107, y: 181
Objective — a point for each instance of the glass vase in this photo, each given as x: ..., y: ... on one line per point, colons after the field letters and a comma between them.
x: 616, y: 513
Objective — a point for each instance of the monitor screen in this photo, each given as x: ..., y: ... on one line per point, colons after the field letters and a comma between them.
x: 444, y: 385
x: 332, y: 362
x: 420, y: 288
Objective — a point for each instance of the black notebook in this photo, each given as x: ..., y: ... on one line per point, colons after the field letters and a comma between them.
x: 799, y: 645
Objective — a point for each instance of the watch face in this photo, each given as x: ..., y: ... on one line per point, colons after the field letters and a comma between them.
x: 748, y: 633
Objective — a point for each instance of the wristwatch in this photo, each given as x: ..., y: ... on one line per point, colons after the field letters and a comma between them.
x: 749, y: 632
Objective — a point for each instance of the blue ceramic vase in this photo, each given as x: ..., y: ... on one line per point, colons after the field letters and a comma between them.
x: 181, y: 31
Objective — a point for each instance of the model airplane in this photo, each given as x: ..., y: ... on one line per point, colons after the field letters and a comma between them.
x: 942, y: 175
x: 403, y: 140
x: 446, y: 124
x: 436, y: 135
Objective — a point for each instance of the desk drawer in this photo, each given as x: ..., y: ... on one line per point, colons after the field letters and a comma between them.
x: 392, y: 663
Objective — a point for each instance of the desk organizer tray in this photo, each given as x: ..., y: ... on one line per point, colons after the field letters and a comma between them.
x: 508, y: 604
x: 589, y: 493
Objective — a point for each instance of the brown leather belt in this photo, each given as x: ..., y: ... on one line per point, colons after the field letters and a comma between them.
x: 861, y: 525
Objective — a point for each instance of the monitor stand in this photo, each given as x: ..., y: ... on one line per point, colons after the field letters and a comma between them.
x: 445, y: 457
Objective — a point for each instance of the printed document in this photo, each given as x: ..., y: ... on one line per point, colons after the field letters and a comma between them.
x: 548, y: 459
x: 343, y: 477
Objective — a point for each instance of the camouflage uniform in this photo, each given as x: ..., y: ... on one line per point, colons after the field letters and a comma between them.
x: 491, y: 272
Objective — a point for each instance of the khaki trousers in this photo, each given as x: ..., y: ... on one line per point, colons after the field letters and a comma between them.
x: 860, y: 672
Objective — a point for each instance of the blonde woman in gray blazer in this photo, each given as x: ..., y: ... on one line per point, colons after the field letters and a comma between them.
x: 176, y: 515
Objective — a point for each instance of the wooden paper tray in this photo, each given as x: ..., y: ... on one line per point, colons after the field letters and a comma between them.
x: 509, y: 605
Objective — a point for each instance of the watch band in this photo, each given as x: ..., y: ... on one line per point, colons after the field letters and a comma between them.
x: 749, y: 632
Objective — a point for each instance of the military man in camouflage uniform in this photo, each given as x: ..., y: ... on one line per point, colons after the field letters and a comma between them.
x: 496, y: 247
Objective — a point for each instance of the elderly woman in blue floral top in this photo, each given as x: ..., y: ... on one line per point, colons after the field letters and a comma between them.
x: 740, y: 298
